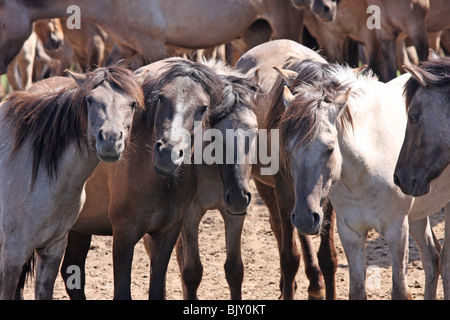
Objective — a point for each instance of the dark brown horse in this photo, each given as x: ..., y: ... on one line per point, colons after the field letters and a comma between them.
x: 426, y: 149
x: 277, y: 189
x: 139, y: 201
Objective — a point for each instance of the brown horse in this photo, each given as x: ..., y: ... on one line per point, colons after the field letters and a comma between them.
x: 130, y: 199
x: 279, y: 186
x: 52, y: 142
x: 398, y: 20
x: 91, y: 44
x: 194, y: 24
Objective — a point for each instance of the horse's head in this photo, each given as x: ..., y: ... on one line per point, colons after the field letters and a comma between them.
x: 184, y: 94
x: 50, y: 32
x: 325, y: 9
x: 311, y: 151
x: 424, y: 154
x: 15, y: 27
x: 111, y: 96
x: 237, y: 127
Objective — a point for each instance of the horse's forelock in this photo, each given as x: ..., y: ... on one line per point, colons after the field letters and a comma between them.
x: 435, y: 73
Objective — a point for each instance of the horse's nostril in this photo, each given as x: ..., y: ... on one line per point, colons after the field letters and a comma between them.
x: 316, y: 219
x: 326, y: 9
x: 100, y: 135
x: 181, y: 154
x: 249, y: 197
x: 121, y: 135
x: 396, y: 180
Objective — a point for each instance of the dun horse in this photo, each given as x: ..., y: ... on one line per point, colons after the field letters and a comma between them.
x: 52, y: 142
x: 341, y: 138
x: 277, y: 189
x: 222, y: 186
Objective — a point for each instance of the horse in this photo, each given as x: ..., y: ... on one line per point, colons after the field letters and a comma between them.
x: 52, y: 142
x: 425, y: 154
x: 91, y: 44
x: 20, y: 70
x: 145, y: 196
x: 398, y: 20
x: 193, y: 25
x: 276, y: 188
x: 222, y: 186
x: 342, y: 138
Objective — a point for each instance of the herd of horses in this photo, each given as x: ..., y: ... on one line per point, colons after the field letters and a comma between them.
x: 99, y: 152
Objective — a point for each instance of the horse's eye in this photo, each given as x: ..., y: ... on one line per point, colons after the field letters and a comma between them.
x: 203, y: 109
x: 89, y: 100
x: 133, y: 105
x: 414, y: 118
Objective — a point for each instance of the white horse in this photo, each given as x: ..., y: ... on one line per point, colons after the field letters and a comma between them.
x: 342, y: 138
x: 53, y: 137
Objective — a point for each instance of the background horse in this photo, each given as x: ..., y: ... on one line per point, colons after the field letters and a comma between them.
x: 52, y: 142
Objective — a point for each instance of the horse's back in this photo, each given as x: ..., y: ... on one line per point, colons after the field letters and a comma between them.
x: 273, y: 53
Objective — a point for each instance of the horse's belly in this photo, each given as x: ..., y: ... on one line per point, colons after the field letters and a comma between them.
x: 97, y: 224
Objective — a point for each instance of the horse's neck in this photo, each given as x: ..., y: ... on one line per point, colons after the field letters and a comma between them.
x: 75, y: 167
x: 370, y: 149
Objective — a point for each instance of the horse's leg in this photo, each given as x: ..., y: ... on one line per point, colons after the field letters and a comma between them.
x: 49, y: 259
x: 388, y: 45
x: 160, y: 249
x: 445, y: 255
x: 422, y: 233
x: 267, y: 193
x: 396, y: 236
x: 76, y: 252
x: 316, y: 289
x: 327, y: 251
x: 354, y: 247
x: 234, y: 268
x: 289, y: 256
x: 125, y: 237
x: 188, y: 255
x: 12, y: 260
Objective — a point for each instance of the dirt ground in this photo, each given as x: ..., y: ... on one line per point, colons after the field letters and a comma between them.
x: 261, y: 264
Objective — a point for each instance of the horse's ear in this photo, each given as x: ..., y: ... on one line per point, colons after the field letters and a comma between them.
x: 255, y: 76
x: 360, y: 69
x: 289, y: 76
x: 78, y: 77
x: 141, y: 76
x: 341, y: 102
x: 432, y: 55
x: 416, y: 74
x: 288, y: 97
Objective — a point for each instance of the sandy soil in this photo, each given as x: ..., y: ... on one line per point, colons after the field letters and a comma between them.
x: 261, y: 263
